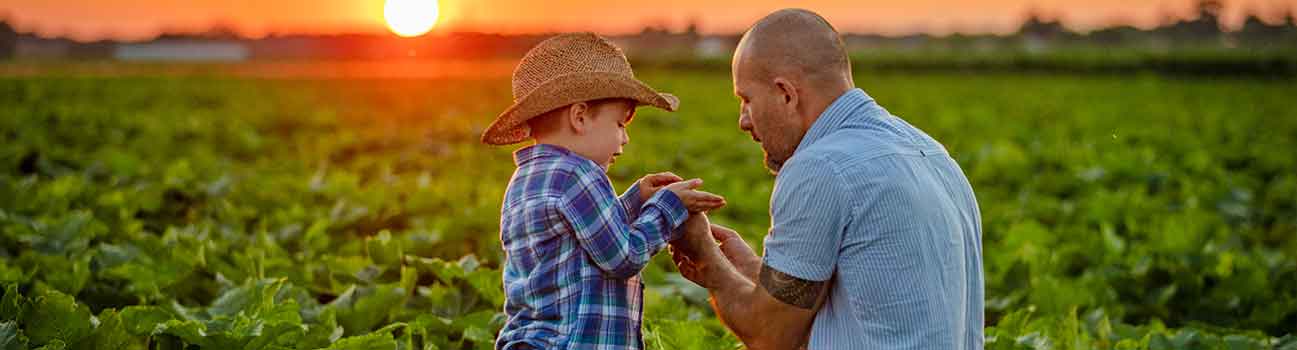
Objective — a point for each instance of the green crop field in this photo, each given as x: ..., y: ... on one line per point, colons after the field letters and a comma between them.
x: 169, y: 212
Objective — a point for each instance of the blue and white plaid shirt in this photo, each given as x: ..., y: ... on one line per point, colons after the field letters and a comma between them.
x: 573, y: 253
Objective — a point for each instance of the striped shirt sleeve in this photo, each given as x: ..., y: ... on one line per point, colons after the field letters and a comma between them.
x: 809, y: 214
x: 617, y: 245
x: 631, y: 201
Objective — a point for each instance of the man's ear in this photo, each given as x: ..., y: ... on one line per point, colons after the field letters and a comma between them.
x: 787, y: 92
x: 578, y: 117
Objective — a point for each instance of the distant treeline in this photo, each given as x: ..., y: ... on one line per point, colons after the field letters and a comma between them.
x: 1275, y: 64
x: 1182, y: 46
x: 1223, y: 64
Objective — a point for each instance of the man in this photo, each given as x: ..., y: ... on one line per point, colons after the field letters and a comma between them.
x: 875, y: 238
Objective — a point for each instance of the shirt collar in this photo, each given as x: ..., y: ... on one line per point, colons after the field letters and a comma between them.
x: 544, y: 150
x: 836, y: 115
x: 540, y: 150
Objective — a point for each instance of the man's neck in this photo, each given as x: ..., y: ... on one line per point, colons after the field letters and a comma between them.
x: 817, y: 105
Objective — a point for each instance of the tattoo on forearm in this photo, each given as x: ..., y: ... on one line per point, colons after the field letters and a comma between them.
x: 791, y: 290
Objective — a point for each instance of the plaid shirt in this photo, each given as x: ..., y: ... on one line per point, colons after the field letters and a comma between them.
x: 573, y: 253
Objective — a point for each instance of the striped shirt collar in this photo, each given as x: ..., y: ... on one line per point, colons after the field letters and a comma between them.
x: 525, y: 154
x: 838, y: 113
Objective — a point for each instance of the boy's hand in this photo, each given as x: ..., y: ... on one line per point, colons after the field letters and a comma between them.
x: 695, y: 200
x: 651, y: 183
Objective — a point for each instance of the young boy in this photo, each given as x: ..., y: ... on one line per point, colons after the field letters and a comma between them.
x: 573, y: 249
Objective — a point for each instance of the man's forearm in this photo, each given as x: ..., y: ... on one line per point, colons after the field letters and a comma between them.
x: 731, y: 299
x: 760, y: 320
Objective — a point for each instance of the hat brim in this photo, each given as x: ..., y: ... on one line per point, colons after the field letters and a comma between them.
x: 511, y: 126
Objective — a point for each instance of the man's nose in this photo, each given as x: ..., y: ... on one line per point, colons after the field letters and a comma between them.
x: 745, y: 123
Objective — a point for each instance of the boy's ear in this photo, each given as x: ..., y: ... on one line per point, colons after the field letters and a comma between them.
x: 578, y: 117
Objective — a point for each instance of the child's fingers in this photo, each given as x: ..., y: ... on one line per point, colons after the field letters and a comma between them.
x: 704, y: 205
x: 699, y: 199
x: 663, y: 178
x: 682, y: 187
x: 708, y: 196
x: 693, y: 183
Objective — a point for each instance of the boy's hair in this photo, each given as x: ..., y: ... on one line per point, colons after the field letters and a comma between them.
x: 542, y: 123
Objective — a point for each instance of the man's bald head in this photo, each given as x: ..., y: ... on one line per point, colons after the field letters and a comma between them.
x: 795, y: 43
x: 789, y: 67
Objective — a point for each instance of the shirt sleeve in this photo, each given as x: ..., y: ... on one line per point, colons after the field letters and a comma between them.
x: 619, y: 246
x: 631, y: 201
x: 809, y: 215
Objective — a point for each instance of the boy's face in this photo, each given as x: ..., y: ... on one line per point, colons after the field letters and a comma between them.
x: 602, y: 141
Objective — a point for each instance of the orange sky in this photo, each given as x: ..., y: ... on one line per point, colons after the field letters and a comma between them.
x: 140, y: 19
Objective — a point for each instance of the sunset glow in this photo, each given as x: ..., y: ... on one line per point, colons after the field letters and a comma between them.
x: 410, y: 18
x: 90, y: 20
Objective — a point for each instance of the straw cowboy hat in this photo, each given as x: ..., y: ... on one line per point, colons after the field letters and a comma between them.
x: 567, y: 69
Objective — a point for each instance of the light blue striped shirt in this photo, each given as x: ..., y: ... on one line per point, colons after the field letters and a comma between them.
x: 878, y: 207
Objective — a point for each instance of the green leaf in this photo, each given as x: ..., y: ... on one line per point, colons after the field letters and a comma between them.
x: 1288, y: 342
x: 54, y: 345
x: 371, y: 341
x: 191, y: 332
x: 406, y: 341
x: 447, y: 300
x: 430, y: 324
x: 487, y: 283
x: 71, y: 233
x: 12, y: 274
x: 252, y: 316
x: 316, y: 238
x: 58, y: 316
x: 448, y: 272
x: 384, y: 250
x: 409, y: 278
x: 253, y: 298
x: 277, y: 335
x: 68, y: 275
x: 150, y: 265
x: 347, y: 269
x: 12, y: 338
x: 324, y: 332
x: 112, y: 334
x: 142, y: 320
x: 13, y: 306
x: 479, y: 327
x: 360, y: 309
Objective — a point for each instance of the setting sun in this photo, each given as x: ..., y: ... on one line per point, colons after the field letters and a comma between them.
x: 410, y: 17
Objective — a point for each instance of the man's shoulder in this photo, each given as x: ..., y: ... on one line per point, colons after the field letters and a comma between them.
x: 860, y: 163
x: 845, y: 151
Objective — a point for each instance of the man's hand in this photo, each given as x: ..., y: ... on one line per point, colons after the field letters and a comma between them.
x: 765, y: 308
x: 651, y: 183
x: 690, y: 252
x: 737, y: 251
x: 685, y: 250
x: 696, y: 201
x: 695, y: 249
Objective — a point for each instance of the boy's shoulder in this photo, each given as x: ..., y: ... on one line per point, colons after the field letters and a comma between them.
x: 560, y: 168
x: 554, y: 176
